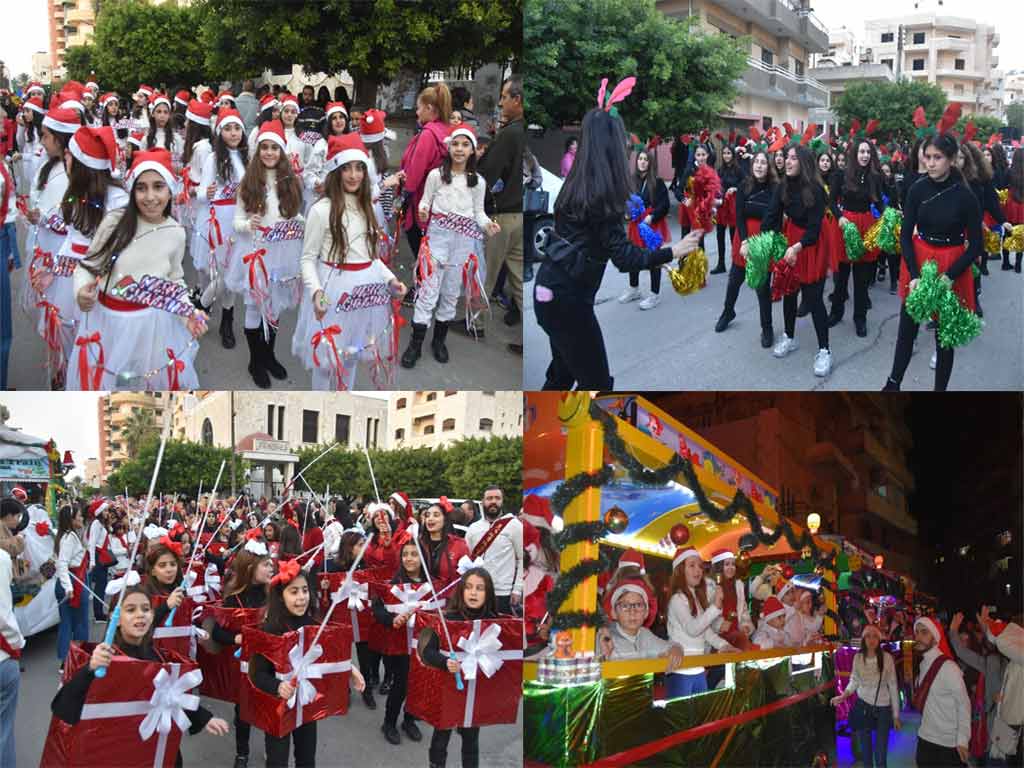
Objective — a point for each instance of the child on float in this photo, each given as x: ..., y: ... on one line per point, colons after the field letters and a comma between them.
x: 216, y: 196
x: 397, y: 665
x: 195, y: 150
x: 803, y: 625
x: 735, y: 624
x: 270, y: 228
x: 451, y: 212
x: 771, y: 632
x: 117, y: 336
x: 339, y: 256
x: 629, y: 635
x: 691, y: 612
x: 291, y: 604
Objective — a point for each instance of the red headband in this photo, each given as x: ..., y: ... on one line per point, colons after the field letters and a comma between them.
x: 286, y: 572
x: 174, y: 546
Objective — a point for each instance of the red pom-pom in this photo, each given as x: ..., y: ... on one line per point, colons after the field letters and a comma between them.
x: 706, y: 187
x: 679, y: 534
x: 919, y: 118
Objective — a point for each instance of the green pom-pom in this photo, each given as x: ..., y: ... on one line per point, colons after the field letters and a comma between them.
x: 854, y: 242
x: 887, y: 240
x: 923, y: 301
x: 975, y: 271
x: 958, y: 326
x: 763, y: 250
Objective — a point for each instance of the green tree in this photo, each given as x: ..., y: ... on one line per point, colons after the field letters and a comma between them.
x: 684, y: 78
x: 138, y: 429
x: 1015, y: 116
x: 893, y: 104
x: 79, y: 62
x: 184, y: 466
x: 340, y: 469
x: 21, y: 81
x: 416, y: 471
x: 986, y: 125
x: 475, y: 463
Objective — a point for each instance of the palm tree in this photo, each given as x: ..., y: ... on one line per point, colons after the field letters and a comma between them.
x: 138, y: 428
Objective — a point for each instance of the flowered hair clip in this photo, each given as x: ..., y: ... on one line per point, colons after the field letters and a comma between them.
x: 619, y: 92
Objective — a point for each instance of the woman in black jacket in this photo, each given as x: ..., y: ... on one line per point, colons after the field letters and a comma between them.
x: 653, y: 192
x: 730, y: 175
x: 589, y: 231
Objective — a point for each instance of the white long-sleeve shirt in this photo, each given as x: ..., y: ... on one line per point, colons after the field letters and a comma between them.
x: 766, y: 636
x: 69, y: 557
x: 693, y: 633
x: 946, y: 719
x: 97, y: 535
x: 273, y: 212
x: 49, y: 197
x: 456, y: 199
x: 504, y: 558
x: 8, y: 621
x: 643, y: 645
x: 317, y: 242
x: 210, y: 173
x: 864, y: 682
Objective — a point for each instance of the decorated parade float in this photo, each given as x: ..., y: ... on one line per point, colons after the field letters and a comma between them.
x: 624, y: 474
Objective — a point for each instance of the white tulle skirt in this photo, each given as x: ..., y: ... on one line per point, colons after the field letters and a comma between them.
x: 265, y: 269
x: 221, y: 234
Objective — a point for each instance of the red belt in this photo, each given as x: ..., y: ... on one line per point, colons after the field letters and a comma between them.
x: 6, y: 648
x: 80, y: 248
x: 224, y: 201
x: 119, y: 305
x: 348, y: 267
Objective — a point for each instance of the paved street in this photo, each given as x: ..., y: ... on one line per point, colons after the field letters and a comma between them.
x: 354, y: 740
x: 674, y: 346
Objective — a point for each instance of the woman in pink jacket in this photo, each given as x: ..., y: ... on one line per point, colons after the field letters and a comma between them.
x: 425, y: 153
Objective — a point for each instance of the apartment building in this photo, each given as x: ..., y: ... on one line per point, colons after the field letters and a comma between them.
x: 115, y: 412
x: 435, y: 418
x: 72, y: 22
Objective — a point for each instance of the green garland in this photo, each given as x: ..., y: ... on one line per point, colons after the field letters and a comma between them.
x: 576, y: 485
x: 577, y: 532
x: 565, y: 584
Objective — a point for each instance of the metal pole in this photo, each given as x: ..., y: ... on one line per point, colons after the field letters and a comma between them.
x: 232, y: 394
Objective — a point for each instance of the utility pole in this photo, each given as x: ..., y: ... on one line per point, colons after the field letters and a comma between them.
x: 232, y: 394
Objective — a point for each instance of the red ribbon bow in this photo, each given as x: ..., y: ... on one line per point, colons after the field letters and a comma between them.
x: 255, y: 259
x: 51, y: 319
x: 287, y: 571
x: 43, y: 528
x: 174, y: 367
x: 446, y: 505
x: 253, y: 533
x: 174, y: 546
x: 83, y: 342
x: 214, y: 225
x: 424, y: 261
x: 186, y: 185
x: 327, y: 335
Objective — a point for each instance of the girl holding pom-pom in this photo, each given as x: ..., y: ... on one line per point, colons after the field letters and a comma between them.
x: 654, y: 194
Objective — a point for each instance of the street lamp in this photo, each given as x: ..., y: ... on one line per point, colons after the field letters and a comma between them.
x: 813, y: 522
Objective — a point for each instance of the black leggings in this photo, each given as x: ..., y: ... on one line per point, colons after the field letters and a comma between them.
x: 304, y: 738
x: 634, y: 279
x: 399, y: 667
x: 578, y: 356
x: 369, y: 662
x: 470, y: 746
x: 863, y: 274
x: 764, y: 295
x: 720, y: 236
x: 242, y: 729
x: 813, y: 295
x: 905, y: 348
x: 894, y: 268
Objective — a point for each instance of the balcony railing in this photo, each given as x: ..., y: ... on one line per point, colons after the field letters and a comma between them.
x: 808, y: 90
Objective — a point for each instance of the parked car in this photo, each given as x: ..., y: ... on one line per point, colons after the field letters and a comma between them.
x: 536, y: 225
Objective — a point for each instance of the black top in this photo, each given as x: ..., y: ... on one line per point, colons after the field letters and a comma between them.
x: 730, y: 177
x: 504, y: 160
x: 1001, y: 179
x: 430, y: 645
x: 261, y: 671
x: 987, y: 199
x: 601, y: 241
x: 889, y: 190
x: 162, y: 611
x: 253, y: 596
x: 659, y: 203
x: 869, y: 190
x: 70, y: 699
x: 942, y: 212
x: 786, y: 198
x: 909, y: 177
x: 753, y: 206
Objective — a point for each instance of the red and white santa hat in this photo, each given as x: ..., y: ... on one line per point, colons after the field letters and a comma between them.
x: 537, y: 512
x: 106, y: 98
x: 772, y: 608
x: 343, y: 149
x: 683, y: 554
x: 269, y: 102
x: 632, y: 558
x: 335, y: 106
x: 936, y: 631
x: 637, y: 587
x: 372, y: 128
x: 272, y: 130
x: 721, y: 555
x: 157, y: 99
x: 531, y: 539
x: 207, y: 96
x: 403, y: 501
x: 198, y: 112
x: 19, y: 493
x: 158, y: 160
x: 95, y: 148
x: 35, y: 87
x: 182, y: 97
x: 145, y: 90
x: 226, y: 116
x: 98, y: 505
x: 35, y: 104
x: 70, y: 96
x: 462, y: 129
x: 226, y: 96
x: 287, y: 100
x: 137, y: 139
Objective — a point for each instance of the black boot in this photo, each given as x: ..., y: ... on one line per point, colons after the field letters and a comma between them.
x: 1006, y: 261
x: 891, y: 385
x: 983, y: 267
x: 227, y: 333
x: 835, y: 317
x: 412, y: 354
x: 271, y: 363
x: 719, y: 267
x: 254, y: 338
x: 767, y: 337
x: 1016, y: 266
x: 723, y: 322
x: 437, y: 343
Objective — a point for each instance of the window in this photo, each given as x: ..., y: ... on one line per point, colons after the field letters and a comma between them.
x: 766, y: 122
x: 400, y: 404
x: 958, y: 64
x: 798, y: 68
x: 450, y: 392
x: 376, y: 426
x: 310, y: 423
x: 280, y: 422
x: 448, y: 425
x: 918, y: 38
x: 270, y: 420
x: 888, y: 63
x: 918, y: 65
x: 369, y: 432
x: 767, y: 57
x: 341, y: 426
x: 887, y: 37
x: 486, y: 425
x: 428, y: 430
x: 399, y: 434
x: 207, y: 432
x: 431, y: 397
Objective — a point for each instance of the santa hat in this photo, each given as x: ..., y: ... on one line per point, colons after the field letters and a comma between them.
x: 70, y: 96
x: 636, y: 586
x: 226, y: 96
x: 198, y: 112
x: 229, y: 115
x: 344, y: 149
x: 374, y: 507
x: 157, y: 99
x: 35, y: 104
x: 936, y: 631
x: 272, y: 130
x: 287, y: 100
x: 158, y: 160
x: 772, y: 608
x: 462, y: 129
x: 683, y: 554
x: 91, y: 83
x: 268, y: 102
x: 145, y: 90
x: 34, y: 87
x: 537, y: 512
x: 182, y: 97
x: 207, y: 96
x: 403, y: 500
x: 97, y: 506
x: 372, y: 128
x: 785, y: 588
x: 335, y: 106
x: 631, y: 557
x: 531, y: 539
x: 721, y: 555
x: 137, y: 139
x: 19, y: 493
x: 106, y: 98
x: 95, y: 148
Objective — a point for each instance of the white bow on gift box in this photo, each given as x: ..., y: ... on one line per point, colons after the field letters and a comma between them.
x: 481, y: 652
x: 164, y: 709
x: 130, y: 579
x: 358, y: 596
x: 305, y: 668
x: 410, y: 600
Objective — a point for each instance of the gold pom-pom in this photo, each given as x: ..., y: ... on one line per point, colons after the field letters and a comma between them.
x: 991, y: 242
x: 1003, y: 195
x: 1015, y: 242
x: 871, y: 236
x: 691, y: 275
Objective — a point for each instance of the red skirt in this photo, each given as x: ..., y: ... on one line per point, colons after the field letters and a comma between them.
x: 864, y: 221
x: 1014, y: 210
x: 943, y: 256
x: 812, y: 262
x: 727, y: 212
x: 753, y: 228
x: 684, y: 216
x: 987, y: 221
x: 660, y: 226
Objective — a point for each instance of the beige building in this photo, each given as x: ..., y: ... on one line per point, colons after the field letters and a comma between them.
x: 1013, y: 89
x: 956, y: 53
x: 843, y: 49
x: 42, y: 71
x: 114, y: 413
x: 92, y: 473
x: 438, y: 417
x: 775, y: 87
x: 72, y: 22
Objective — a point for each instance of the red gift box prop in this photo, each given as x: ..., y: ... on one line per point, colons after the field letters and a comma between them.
x: 132, y: 718
x: 181, y: 637
x: 490, y: 654
x: 222, y: 677
x: 355, y: 609
x: 204, y: 582
x: 399, y: 599
x: 320, y: 675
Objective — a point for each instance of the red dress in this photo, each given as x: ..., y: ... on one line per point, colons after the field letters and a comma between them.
x: 944, y: 256
x: 812, y: 261
x: 1014, y: 210
x: 753, y: 228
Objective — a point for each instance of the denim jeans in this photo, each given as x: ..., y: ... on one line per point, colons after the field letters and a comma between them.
x: 10, y: 677
x: 98, y: 582
x: 883, y: 724
x: 685, y: 685
x: 74, y: 623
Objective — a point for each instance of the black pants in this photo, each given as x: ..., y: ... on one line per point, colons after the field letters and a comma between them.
x: 894, y: 268
x: 933, y: 756
x: 905, y: 348
x: 98, y: 581
x: 863, y: 274
x: 304, y: 738
x: 399, y: 667
x: 242, y: 729
x: 413, y: 236
x: 369, y: 662
x: 578, y: 356
x: 634, y: 279
x: 470, y: 746
x: 720, y: 236
x: 813, y: 295
x: 764, y: 295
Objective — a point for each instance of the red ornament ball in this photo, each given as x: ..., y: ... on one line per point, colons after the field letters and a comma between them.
x: 787, y: 571
x: 616, y: 519
x: 680, y: 534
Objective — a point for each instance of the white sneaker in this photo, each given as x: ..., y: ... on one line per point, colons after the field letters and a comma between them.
x: 784, y: 346
x: 932, y: 363
x: 630, y: 294
x: 822, y: 362
x: 652, y: 300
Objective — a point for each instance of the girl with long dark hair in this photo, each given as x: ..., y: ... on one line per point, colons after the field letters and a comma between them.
x: 439, y: 544
x: 195, y: 150
x: 1015, y: 202
x: 655, y: 196
x: 72, y: 558
x: 978, y: 174
x: 31, y: 153
x: 731, y: 175
x: 335, y: 124
x: 161, y: 133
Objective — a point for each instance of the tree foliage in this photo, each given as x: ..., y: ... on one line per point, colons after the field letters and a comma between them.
x: 684, y: 78
x: 184, y: 465
x: 78, y: 60
x: 893, y: 104
x: 1015, y: 116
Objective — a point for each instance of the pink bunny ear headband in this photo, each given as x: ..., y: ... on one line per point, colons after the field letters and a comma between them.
x: 620, y: 92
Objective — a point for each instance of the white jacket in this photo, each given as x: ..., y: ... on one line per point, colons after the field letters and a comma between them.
x: 69, y: 557
x: 8, y: 621
x: 742, y: 611
x: 693, y: 633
